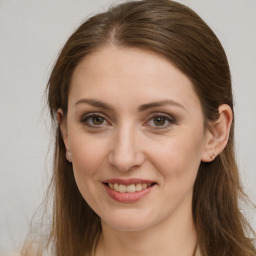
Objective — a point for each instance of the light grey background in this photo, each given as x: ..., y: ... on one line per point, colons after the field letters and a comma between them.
x: 31, y: 34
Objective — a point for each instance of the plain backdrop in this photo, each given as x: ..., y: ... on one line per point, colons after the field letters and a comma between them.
x: 31, y: 35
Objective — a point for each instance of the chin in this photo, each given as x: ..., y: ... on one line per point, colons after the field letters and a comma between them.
x: 129, y: 222
x: 130, y: 226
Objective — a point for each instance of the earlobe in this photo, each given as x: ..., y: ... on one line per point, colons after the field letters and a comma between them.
x: 69, y: 156
x: 217, y: 134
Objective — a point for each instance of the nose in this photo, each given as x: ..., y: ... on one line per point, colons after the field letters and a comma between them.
x: 125, y: 154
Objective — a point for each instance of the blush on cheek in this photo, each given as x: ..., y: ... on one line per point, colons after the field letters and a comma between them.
x: 84, y: 164
x: 87, y: 159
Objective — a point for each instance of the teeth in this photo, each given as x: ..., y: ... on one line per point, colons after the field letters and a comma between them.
x: 116, y: 187
x: 128, y: 189
x: 144, y: 186
x: 122, y: 188
x: 138, y: 187
x: 131, y: 188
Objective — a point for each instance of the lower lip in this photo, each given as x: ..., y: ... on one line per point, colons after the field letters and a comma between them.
x: 128, y: 197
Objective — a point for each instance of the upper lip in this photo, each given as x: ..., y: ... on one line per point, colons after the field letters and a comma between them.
x: 128, y: 181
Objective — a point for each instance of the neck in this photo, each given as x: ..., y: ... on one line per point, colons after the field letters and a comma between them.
x: 173, y: 236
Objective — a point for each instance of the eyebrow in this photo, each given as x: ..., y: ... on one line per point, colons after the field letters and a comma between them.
x: 95, y: 103
x: 141, y: 108
x: 160, y: 103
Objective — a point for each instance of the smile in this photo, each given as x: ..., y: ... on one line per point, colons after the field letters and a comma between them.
x: 128, y: 191
x: 121, y: 188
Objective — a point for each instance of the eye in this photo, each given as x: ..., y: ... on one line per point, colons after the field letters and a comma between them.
x: 94, y: 120
x: 159, y: 121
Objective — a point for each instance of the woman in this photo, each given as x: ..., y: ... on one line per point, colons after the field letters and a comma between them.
x: 144, y: 154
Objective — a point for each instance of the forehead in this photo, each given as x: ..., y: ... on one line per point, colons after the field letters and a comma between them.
x: 130, y: 73
x: 129, y: 61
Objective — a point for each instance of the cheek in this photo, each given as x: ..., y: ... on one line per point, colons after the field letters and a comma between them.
x: 88, y: 154
x: 179, y: 157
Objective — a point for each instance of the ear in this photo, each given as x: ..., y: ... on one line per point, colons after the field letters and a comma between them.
x: 63, y: 127
x: 217, y: 134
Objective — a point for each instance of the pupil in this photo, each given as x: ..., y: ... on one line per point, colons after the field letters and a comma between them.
x: 97, y: 120
x: 159, y: 121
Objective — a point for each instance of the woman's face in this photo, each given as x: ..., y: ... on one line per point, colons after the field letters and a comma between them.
x: 136, y: 134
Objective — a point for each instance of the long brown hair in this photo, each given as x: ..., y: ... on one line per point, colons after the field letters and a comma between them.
x: 181, y: 36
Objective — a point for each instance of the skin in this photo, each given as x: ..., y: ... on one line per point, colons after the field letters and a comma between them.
x: 125, y: 142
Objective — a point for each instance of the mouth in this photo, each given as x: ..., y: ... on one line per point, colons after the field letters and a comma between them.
x: 128, y: 190
x: 131, y: 185
x: 131, y: 188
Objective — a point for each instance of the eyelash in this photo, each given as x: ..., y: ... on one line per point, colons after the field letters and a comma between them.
x: 86, y: 118
x: 167, y: 118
